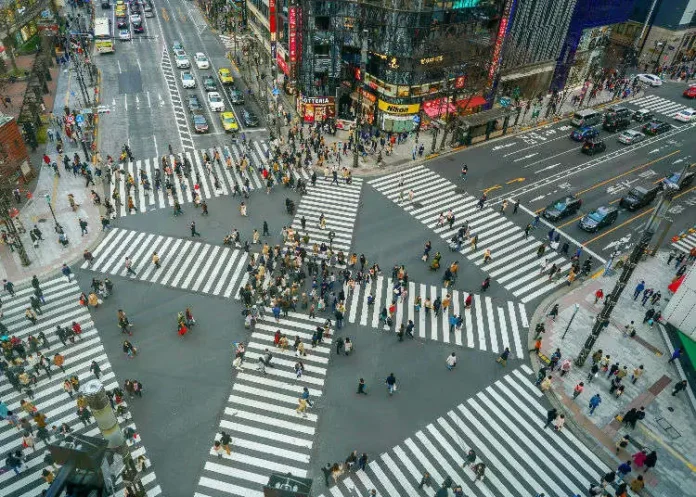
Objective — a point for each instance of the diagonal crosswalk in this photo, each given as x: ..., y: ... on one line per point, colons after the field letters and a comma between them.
x: 185, y: 264
x: 228, y: 173
x: 61, y: 308
x: 268, y: 435
x: 504, y: 425
x: 514, y: 264
x: 659, y: 105
x: 487, y: 324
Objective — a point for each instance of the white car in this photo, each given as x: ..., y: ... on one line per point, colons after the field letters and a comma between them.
x: 135, y: 18
x: 124, y: 34
x: 650, y: 79
x: 686, y: 115
x: 215, y: 102
x: 187, y: 80
x: 631, y: 136
x: 201, y: 61
x: 182, y: 62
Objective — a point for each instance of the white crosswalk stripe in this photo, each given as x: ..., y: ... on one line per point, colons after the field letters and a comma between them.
x: 61, y: 309
x: 185, y: 264
x: 268, y: 434
x: 228, y: 173
x: 487, y: 324
x: 659, y: 105
x: 687, y: 243
x: 514, y: 263
x: 339, y: 204
x: 504, y: 425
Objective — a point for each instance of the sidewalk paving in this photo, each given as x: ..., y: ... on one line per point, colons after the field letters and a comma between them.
x: 50, y: 255
x: 668, y: 427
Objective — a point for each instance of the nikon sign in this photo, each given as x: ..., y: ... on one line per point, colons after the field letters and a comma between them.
x: 399, y: 110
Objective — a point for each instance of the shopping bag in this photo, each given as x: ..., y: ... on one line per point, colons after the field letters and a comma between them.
x: 424, y: 258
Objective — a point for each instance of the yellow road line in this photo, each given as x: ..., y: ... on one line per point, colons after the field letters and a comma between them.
x: 668, y: 448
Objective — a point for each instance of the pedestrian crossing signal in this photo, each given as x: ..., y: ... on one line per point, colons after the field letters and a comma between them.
x: 287, y: 485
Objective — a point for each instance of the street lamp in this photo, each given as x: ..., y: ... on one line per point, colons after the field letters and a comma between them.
x: 575, y: 311
x: 58, y: 228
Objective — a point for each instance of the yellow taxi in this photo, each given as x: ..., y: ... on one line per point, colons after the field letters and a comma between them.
x: 225, y: 76
x: 229, y: 123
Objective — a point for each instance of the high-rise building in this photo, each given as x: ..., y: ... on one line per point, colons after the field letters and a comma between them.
x: 426, y: 59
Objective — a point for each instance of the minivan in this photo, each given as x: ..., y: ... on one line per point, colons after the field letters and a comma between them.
x: 615, y: 121
x: 587, y: 117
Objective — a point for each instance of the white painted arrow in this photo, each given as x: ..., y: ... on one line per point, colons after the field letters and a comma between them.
x: 137, y: 100
x: 617, y: 243
x: 654, y: 151
x: 536, y: 199
x: 498, y: 147
x: 547, y: 168
x: 678, y: 161
x: 526, y: 157
x: 113, y: 103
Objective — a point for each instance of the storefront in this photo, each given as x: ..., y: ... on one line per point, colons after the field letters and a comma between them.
x: 316, y: 109
x: 396, y: 117
x: 368, y: 101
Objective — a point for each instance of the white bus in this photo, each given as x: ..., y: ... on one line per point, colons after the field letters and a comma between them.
x: 103, y: 38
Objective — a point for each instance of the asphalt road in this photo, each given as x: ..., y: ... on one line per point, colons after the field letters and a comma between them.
x: 544, y: 165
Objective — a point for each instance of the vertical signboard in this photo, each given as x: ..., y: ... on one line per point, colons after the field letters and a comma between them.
x: 500, y: 39
x: 272, y: 27
x: 292, y: 33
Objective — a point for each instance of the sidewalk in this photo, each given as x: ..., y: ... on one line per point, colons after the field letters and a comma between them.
x: 668, y: 427
x: 50, y: 254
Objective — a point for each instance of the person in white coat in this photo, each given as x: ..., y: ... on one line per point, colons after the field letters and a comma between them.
x: 451, y: 361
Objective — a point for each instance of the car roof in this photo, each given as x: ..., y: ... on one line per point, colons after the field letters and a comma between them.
x: 223, y: 69
x: 644, y: 111
x: 690, y: 111
x: 605, y: 209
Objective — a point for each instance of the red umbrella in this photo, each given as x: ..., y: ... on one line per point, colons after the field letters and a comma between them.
x: 674, y: 286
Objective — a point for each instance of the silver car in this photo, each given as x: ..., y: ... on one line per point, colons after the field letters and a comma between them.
x: 631, y: 136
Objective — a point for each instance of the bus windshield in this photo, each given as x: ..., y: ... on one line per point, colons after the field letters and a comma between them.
x: 103, y: 39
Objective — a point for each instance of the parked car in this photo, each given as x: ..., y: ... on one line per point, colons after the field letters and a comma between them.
x: 229, y: 123
x: 674, y: 178
x: 215, y: 102
x: 202, y: 61
x: 249, y: 118
x: 639, y: 196
x: 236, y: 96
x: 563, y: 207
x: 656, y: 127
x: 642, y: 115
x: 685, y: 116
x: 599, y: 218
x: 593, y: 146
x: 650, y: 79
x: 582, y: 134
x: 631, y: 136
x: 209, y: 83
x: 187, y: 80
x: 200, y: 123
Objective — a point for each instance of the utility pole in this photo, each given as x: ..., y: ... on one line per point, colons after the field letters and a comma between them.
x: 602, y: 320
x: 5, y: 207
x: 105, y: 417
x: 274, y: 71
x: 359, y: 114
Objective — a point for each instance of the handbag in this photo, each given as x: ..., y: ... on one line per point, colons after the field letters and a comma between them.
x: 424, y: 258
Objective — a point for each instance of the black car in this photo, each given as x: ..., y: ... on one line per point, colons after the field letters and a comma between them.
x: 236, y: 96
x: 593, y: 146
x: 134, y: 7
x: 563, y: 207
x: 639, y: 196
x: 675, y: 177
x: 642, y: 115
x: 656, y: 127
x: 249, y: 118
x: 105, y: 4
x: 615, y: 121
x: 193, y: 103
x: 122, y: 22
x: 599, y: 218
x: 200, y: 123
x: 209, y: 83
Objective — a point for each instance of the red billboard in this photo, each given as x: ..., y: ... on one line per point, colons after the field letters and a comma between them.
x: 292, y: 33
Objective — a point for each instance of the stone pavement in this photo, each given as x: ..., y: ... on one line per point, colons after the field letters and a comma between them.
x: 668, y: 427
x: 49, y: 255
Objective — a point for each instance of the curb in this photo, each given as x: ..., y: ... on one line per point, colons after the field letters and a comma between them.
x: 587, y: 440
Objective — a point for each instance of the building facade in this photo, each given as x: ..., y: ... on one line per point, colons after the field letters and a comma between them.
x: 15, y: 168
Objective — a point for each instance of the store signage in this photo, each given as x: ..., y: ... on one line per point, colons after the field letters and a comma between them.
x: 292, y: 33
x: 272, y: 27
x: 366, y: 94
x: 432, y: 60
x: 398, y: 109
x: 283, y: 66
x: 500, y: 39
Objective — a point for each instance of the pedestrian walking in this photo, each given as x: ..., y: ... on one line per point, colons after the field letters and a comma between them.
x: 594, y: 403
x: 8, y: 286
x: 639, y: 289
x: 623, y: 470
x: 391, y: 383
x: 579, y: 388
x: 193, y: 229
x: 66, y: 272
x: 551, y: 415
x: 451, y: 361
x: 156, y: 260
x: 679, y: 387
x: 503, y: 357
x: 650, y: 461
x: 675, y: 355
x: 361, y: 386
x: 637, y: 373
x: 554, y: 312
x: 83, y: 226
x: 95, y: 369
x: 129, y: 266
x: 362, y: 461
x: 559, y: 422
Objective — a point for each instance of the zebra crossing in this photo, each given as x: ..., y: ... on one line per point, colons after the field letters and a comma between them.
x: 504, y: 425
x: 339, y: 205
x: 268, y: 435
x: 514, y: 263
x: 488, y: 324
x: 687, y: 243
x: 184, y: 264
x: 61, y: 308
x: 228, y: 177
x: 659, y: 105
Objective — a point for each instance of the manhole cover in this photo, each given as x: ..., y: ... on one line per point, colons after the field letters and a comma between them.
x: 460, y: 190
x: 417, y: 205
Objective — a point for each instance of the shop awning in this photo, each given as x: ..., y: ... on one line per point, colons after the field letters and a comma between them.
x: 438, y: 107
x: 471, y: 102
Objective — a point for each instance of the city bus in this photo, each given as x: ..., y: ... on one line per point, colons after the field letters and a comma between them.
x: 103, y: 38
